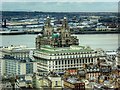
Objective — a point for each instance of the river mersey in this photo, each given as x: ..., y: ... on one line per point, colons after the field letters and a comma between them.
x: 95, y: 41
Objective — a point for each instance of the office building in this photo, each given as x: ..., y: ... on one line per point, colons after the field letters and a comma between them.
x: 58, y: 51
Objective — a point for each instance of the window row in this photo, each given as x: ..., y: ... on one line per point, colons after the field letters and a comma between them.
x: 74, y: 53
x: 74, y: 61
x: 74, y: 56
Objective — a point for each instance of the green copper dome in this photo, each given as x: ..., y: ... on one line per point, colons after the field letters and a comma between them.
x: 55, y: 35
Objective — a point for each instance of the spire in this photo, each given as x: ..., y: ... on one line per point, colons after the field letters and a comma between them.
x: 65, y: 23
x: 48, y: 29
x: 48, y: 17
x: 65, y: 17
x: 48, y: 21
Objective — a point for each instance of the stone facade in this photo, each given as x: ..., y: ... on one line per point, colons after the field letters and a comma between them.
x: 57, y: 38
x: 61, y: 59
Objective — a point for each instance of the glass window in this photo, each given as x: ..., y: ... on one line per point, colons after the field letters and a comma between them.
x: 55, y: 62
x: 74, y: 61
x: 59, y: 62
x: 83, y: 60
x: 80, y: 61
x: 65, y: 62
x: 92, y: 60
x: 77, y: 60
x: 62, y: 61
x: 71, y: 61
x: 68, y: 62
x: 89, y: 60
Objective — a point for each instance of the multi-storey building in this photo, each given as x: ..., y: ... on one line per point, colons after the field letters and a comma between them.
x: 16, y: 52
x: 50, y: 82
x: 57, y: 38
x: 14, y: 67
x: 61, y: 59
x: 2, y: 67
x: 58, y: 50
x: 16, y: 60
x: 92, y: 72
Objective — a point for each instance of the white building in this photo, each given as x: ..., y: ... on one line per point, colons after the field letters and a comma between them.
x: 51, y: 82
x: 16, y: 52
x: 17, y: 60
x: 94, y: 19
x: 17, y: 67
x: 14, y: 67
x: 2, y: 67
x: 61, y: 59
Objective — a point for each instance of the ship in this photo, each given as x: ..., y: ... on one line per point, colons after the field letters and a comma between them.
x: 7, y: 31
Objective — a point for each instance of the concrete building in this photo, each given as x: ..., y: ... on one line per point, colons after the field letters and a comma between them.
x: 61, y: 59
x: 14, y: 67
x: 24, y: 81
x: 58, y: 51
x: 74, y: 84
x: 17, y: 60
x: 16, y: 52
x: 57, y: 82
x: 2, y: 67
x: 17, y: 67
x: 50, y: 81
x: 92, y: 72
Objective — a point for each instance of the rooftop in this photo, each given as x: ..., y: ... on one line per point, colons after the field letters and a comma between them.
x: 74, y: 80
x: 20, y: 48
x: 75, y: 49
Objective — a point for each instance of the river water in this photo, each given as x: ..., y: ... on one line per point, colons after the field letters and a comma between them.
x: 95, y: 41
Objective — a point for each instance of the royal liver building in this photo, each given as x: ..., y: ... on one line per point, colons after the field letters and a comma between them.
x: 57, y: 50
x: 56, y: 38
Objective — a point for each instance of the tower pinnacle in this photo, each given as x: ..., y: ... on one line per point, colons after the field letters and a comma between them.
x: 65, y: 23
